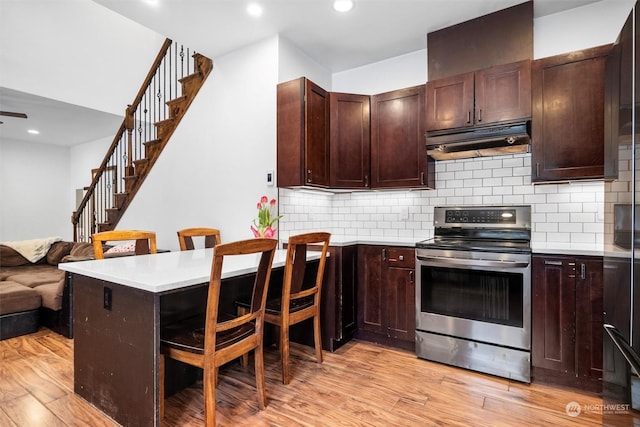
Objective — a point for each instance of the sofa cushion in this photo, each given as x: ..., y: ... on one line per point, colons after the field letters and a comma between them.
x: 51, y: 294
x: 57, y: 251
x: 11, y: 258
x: 15, y: 298
x: 6, y: 272
x: 38, y: 277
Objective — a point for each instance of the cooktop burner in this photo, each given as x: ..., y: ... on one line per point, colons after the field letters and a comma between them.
x: 480, y: 228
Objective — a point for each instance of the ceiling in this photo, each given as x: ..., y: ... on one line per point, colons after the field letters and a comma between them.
x: 372, y: 31
x: 52, y: 118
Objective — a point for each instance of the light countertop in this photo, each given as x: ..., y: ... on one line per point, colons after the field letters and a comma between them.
x: 585, y: 249
x: 170, y: 270
x: 342, y: 240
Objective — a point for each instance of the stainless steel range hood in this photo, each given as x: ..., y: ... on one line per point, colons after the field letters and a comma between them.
x: 479, y: 141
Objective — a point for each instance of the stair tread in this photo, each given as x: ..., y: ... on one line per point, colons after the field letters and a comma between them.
x: 166, y: 121
x: 177, y: 100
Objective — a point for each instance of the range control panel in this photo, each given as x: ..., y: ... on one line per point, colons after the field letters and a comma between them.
x: 480, y: 216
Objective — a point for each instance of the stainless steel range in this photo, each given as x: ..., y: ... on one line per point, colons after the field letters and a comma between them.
x: 473, y: 294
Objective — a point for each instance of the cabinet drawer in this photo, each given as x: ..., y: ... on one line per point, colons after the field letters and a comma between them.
x: 400, y: 257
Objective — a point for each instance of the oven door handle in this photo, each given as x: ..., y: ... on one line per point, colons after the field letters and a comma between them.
x: 445, y: 262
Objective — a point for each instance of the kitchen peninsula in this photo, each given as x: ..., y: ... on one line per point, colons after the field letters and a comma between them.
x: 119, y: 306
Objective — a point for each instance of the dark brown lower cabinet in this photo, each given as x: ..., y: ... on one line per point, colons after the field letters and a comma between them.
x: 567, y: 318
x: 386, y: 295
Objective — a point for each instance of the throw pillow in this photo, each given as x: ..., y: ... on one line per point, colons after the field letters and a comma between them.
x: 57, y: 251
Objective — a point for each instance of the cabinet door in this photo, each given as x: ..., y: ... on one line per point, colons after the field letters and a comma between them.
x: 589, y: 317
x: 568, y: 116
x: 370, y: 302
x: 398, y: 151
x: 302, y: 133
x: 553, y: 313
x: 349, y: 139
x: 503, y: 93
x: 317, y: 135
x: 450, y: 102
x: 400, y: 296
x: 290, y: 133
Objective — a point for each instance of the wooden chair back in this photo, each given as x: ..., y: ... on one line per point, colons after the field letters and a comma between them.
x: 224, y: 340
x: 186, y: 235
x: 145, y: 241
x: 299, y: 301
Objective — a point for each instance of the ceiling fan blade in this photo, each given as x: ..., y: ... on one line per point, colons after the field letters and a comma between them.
x: 11, y: 114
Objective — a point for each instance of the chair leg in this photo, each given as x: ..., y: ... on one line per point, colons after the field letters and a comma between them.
x: 161, y: 385
x: 284, y: 353
x: 258, y: 354
x: 209, y: 385
x: 317, y: 338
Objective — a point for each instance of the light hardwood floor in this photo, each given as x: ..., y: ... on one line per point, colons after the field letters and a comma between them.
x: 361, y: 384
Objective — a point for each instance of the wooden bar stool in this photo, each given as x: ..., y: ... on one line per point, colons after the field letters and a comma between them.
x: 145, y: 241
x: 212, y: 341
x: 299, y: 301
x: 186, y: 235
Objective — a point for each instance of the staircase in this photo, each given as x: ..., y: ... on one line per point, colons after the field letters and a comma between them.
x: 171, y: 85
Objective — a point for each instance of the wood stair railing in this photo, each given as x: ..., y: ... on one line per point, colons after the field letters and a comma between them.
x: 148, y: 125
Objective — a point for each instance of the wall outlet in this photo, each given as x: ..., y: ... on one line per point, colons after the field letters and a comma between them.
x: 108, y: 298
x: 270, y: 178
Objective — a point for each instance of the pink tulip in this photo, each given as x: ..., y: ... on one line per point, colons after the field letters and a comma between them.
x: 264, y: 199
x: 256, y: 233
x: 269, y: 232
x: 273, y: 202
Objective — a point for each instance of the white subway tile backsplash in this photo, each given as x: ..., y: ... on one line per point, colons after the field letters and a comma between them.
x: 562, y: 213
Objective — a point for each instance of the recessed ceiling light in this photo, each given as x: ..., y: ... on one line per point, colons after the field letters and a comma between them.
x: 343, y: 5
x: 254, y: 9
x: 152, y: 2
x: 33, y: 131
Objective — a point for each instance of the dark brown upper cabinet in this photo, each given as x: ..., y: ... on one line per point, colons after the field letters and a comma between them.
x: 302, y: 132
x: 492, y: 95
x: 349, y: 139
x: 568, y: 116
x: 398, y: 151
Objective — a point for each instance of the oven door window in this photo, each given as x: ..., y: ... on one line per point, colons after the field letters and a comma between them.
x: 488, y: 296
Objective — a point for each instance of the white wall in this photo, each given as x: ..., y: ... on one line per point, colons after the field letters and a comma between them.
x: 591, y: 25
x: 35, y: 199
x: 213, y: 171
x: 75, y: 51
x: 294, y: 63
x: 391, y: 74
